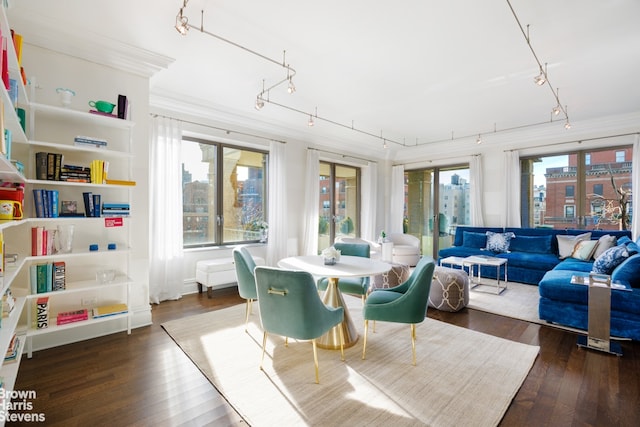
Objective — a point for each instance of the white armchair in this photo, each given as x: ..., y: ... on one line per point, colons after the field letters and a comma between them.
x: 406, y: 248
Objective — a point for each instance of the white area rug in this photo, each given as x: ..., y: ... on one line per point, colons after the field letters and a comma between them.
x: 462, y: 377
x: 518, y: 301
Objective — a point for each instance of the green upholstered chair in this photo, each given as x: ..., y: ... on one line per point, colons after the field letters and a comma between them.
x: 290, y: 307
x: 405, y: 303
x: 245, y: 265
x: 351, y: 285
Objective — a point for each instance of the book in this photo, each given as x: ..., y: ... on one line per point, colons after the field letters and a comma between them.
x: 33, y: 278
x: 109, y: 310
x: 88, y: 203
x: 96, y: 205
x: 72, y: 316
x: 119, y: 182
x: 42, y: 313
x: 59, y: 276
x: 38, y: 202
x: 123, y: 106
x: 41, y: 275
x: 41, y: 165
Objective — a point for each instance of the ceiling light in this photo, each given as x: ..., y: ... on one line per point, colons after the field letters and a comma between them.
x: 292, y: 87
x: 182, y: 22
x: 479, y: 140
x: 567, y: 125
x: 541, y: 78
x: 556, y: 110
x: 384, y: 144
x: 310, y: 122
x: 259, y: 103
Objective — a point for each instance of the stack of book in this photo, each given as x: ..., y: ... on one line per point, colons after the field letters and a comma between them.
x: 47, y: 277
x: 99, y: 169
x: 115, y: 209
x: 72, y: 316
x: 48, y: 166
x: 109, y: 310
x: 72, y: 173
x: 12, y: 351
x: 89, y: 141
x: 92, y: 203
x: 46, y: 203
x: 8, y: 303
x: 41, y: 241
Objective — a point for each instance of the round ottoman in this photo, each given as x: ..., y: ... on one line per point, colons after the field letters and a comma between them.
x: 449, y: 289
x: 398, y: 274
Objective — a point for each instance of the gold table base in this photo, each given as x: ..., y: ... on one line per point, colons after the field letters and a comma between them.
x: 331, y: 340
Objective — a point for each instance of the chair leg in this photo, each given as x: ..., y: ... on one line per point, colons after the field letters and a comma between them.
x: 413, y: 342
x: 286, y: 341
x: 247, y: 313
x: 364, y: 339
x: 264, y: 345
x: 315, y: 360
x: 341, y: 344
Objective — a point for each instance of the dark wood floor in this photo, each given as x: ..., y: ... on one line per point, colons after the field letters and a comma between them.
x: 145, y: 379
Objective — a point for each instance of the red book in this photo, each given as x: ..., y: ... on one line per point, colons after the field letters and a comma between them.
x: 5, y: 64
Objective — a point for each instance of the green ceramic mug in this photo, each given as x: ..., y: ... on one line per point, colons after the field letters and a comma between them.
x: 102, y: 106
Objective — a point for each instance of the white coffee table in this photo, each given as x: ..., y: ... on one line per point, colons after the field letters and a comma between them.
x: 480, y: 260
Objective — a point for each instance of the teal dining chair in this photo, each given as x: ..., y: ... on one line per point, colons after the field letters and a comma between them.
x: 351, y: 285
x: 290, y: 307
x: 405, y: 303
x: 245, y: 265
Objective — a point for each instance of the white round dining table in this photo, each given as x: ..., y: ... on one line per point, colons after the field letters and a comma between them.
x: 347, y: 266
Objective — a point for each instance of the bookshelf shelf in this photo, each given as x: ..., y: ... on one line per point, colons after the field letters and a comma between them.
x: 106, y: 152
x: 56, y: 328
x: 10, y: 324
x: 84, y: 285
x: 69, y: 114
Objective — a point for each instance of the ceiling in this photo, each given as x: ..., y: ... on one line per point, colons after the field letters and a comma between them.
x: 412, y: 72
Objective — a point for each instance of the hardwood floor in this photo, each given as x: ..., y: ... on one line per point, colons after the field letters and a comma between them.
x: 145, y: 379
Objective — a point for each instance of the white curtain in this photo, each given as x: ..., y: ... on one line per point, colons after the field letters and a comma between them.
x: 311, y: 205
x: 396, y: 200
x: 477, y: 190
x: 635, y: 184
x: 278, y: 225
x: 369, y: 201
x: 512, y: 189
x: 165, y: 205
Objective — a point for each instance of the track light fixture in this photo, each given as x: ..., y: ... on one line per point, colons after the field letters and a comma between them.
x: 479, y: 140
x: 182, y: 22
x: 259, y: 103
x: 541, y: 78
x: 310, y: 123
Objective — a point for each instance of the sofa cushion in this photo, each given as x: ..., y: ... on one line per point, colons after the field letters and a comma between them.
x: 499, y: 242
x: 574, y: 264
x: 610, y: 259
x: 474, y: 240
x: 583, y: 250
x: 628, y: 271
x: 567, y: 243
x: 531, y: 244
x: 605, y: 242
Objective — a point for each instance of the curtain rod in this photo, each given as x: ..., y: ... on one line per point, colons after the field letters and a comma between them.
x: 342, y: 155
x: 228, y: 131
x: 579, y: 141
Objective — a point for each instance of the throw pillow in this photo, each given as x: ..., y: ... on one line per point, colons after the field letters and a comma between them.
x: 531, y: 244
x: 567, y: 243
x: 499, y: 242
x: 604, y: 242
x: 583, y: 250
x: 474, y: 240
x: 610, y: 259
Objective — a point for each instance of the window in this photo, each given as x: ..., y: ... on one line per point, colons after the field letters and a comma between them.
x: 224, y: 193
x: 339, y: 203
x: 574, y: 190
x: 569, y: 191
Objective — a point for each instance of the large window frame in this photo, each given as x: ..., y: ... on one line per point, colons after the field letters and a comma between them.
x: 229, y: 207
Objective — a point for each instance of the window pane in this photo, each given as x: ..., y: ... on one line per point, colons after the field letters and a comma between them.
x: 346, y: 201
x: 243, y: 185
x: 198, y: 187
x: 324, y: 226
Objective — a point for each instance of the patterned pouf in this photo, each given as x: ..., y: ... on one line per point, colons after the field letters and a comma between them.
x: 398, y: 274
x: 449, y: 289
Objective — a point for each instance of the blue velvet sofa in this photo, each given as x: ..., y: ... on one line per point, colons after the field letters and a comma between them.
x: 532, y: 252
x: 566, y: 304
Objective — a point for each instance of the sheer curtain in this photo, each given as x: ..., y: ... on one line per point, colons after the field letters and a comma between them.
x: 311, y: 204
x: 477, y: 190
x: 396, y: 200
x: 278, y: 232
x: 512, y: 189
x: 165, y: 205
x: 369, y: 201
x: 635, y: 184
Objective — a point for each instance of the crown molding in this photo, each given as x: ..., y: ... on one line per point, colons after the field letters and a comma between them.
x: 38, y: 31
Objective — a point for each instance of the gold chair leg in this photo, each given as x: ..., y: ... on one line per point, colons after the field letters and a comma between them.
x: 247, y: 313
x: 315, y: 360
x: 264, y: 345
x: 413, y: 342
x: 286, y: 341
x: 364, y: 339
x: 341, y: 344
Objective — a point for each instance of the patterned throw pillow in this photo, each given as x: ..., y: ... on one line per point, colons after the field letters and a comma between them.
x: 584, y: 249
x: 610, y: 259
x: 567, y: 243
x: 499, y: 242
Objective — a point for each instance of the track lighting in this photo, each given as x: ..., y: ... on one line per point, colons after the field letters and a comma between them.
x: 182, y: 22
x: 479, y: 140
x: 310, y: 123
x: 384, y: 144
x: 259, y: 103
x: 556, y: 110
x: 291, y: 88
x: 541, y: 78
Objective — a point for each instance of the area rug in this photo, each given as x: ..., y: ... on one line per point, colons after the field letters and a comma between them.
x: 462, y: 377
x: 518, y: 301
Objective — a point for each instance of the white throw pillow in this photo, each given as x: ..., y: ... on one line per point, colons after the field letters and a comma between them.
x: 567, y: 243
x: 605, y: 242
